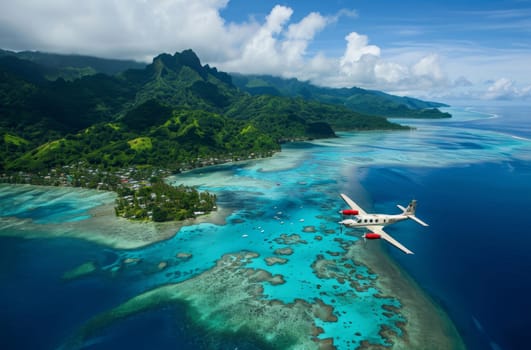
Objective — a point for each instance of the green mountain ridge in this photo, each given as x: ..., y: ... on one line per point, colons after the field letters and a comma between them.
x: 70, y: 67
x: 172, y: 112
x: 360, y: 100
x: 369, y: 102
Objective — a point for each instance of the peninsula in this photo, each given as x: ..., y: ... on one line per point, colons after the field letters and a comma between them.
x: 125, y: 131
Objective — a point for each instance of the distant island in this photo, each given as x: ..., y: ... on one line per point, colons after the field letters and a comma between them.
x: 84, y: 121
x: 369, y: 102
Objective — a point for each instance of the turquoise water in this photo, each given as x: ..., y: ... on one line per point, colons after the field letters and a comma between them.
x: 54, y: 206
x: 455, y: 166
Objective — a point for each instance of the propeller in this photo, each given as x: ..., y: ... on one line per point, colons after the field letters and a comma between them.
x: 342, y: 217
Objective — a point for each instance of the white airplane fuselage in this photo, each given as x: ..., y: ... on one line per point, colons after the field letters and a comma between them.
x: 373, y: 220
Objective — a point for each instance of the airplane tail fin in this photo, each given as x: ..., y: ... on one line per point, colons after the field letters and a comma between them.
x: 410, y: 212
x: 411, y: 208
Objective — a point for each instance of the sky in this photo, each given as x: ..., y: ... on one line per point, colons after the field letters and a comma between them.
x: 443, y: 50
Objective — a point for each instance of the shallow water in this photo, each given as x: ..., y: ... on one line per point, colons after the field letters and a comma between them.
x: 470, y: 175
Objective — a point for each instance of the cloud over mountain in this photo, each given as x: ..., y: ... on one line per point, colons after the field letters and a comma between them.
x: 281, y: 42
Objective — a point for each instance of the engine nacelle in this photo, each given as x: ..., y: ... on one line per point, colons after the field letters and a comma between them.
x: 349, y: 212
x: 372, y: 235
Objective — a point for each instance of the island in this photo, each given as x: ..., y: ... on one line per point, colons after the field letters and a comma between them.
x: 160, y: 201
x: 142, y: 195
x: 126, y: 131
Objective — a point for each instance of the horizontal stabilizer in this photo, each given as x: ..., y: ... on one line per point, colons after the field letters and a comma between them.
x: 417, y: 220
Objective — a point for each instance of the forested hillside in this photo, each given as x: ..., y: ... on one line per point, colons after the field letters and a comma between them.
x: 70, y: 67
x: 369, y: 102
x: 173, y: 111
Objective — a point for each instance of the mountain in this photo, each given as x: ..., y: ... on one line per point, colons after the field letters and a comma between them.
x: 70, y: 67
x: 181, y: 80
x: 171, y: 112
x: 360, y: 100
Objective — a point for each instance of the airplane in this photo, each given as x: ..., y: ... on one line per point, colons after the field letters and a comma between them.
x: 376, y: 222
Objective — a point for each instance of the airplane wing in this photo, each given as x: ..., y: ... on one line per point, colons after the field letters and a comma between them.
x: 352, y: 205
x: 379, y: 230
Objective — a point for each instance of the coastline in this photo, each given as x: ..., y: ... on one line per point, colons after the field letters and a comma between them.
x: 427, y: 322
x: 102, y: 226
x: 121, y: 233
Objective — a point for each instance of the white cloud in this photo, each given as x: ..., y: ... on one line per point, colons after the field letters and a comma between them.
x: 120, y: 28
x: 357, y: 47
x: 262, y: 48
x: 428, y: 68
x: 390, y: 72
x: 500, y: 89
x: 299, y: 36
x: 359, y: 59
x: 307, y: 27
x: 141, y: 29
x: 276, y: 44
x: 363, y: 65
x: 506, y: 89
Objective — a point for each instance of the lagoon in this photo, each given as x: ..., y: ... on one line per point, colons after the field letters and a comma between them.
x: 469, y: 174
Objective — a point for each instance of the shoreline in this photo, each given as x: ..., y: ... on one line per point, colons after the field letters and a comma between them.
x: 427, y: 322
x: 103, y: 226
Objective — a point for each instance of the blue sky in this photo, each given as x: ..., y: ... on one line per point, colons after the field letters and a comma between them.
x: 445, y: 50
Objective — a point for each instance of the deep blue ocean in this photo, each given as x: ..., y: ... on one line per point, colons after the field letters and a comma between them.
x: 473, y: 188
x: 478, y: 263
